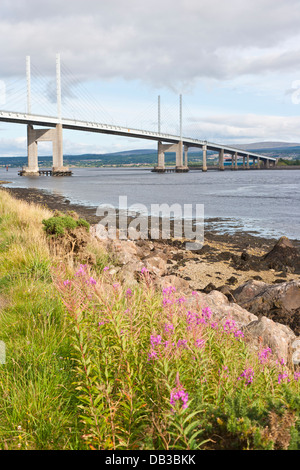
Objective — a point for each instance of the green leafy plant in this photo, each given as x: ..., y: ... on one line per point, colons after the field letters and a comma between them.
x: 59, y: 224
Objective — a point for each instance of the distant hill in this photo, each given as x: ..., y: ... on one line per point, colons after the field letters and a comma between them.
x: 266, y: 145
x: 149, y: 156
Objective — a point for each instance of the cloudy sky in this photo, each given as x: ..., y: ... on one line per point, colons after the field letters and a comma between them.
x: 236, y: 64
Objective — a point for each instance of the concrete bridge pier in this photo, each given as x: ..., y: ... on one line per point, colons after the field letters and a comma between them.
x: 178, y: 149
x: 221, y: 160
x: 58, y: 161
x: 204, y: 163
x: 248, y: 162
x: 186, y: 149
x: 160, y: 158
x: 180, y: 166
x: 32, y: 153
x: 234, y: 161
x: 42, y: 135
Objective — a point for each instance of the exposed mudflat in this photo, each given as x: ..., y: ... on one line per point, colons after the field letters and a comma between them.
x: 225, y: 259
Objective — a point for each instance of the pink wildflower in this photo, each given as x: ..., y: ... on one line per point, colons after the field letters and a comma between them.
x: 238, y: 334
x: 169, y: 290
x: 206, y: 313
x: 155, y: 340
x: 81, y: 270
x: 264, y: 355
x: 179, y: 393
x: 229, y: 326
x: 247, y: 375
x: 169, y: 328
x: 200, y: 343
x: 296, y: 376
x: 182, y: 342
x: 282, y: 377
x: 152, y: 355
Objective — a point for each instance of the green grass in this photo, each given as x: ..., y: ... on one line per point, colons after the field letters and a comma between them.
x: 37, y: 404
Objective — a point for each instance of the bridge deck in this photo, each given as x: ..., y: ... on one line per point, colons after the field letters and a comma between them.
x: 23, y: 118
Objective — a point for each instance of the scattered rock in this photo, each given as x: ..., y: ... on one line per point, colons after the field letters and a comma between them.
x: 180, y: 284
x: 178, y: 256
x: 226, y: 291
x: 282, y: 255
x: 125, y: 250
x: 267, y: 333
x: 224, y: 256
x: 280, y: 302
x: 223, y: 308
x: 210, y: 287
x: 245, y: 256
x: 232, y: 280
x: 156, y: 265
x: 259, y: 332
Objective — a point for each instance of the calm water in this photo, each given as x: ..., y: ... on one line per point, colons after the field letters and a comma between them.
x: 263, y: 202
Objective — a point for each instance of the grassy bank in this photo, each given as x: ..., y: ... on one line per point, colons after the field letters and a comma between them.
x: 93, y: 364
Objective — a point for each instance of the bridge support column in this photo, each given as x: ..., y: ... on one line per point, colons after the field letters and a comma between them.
x: 161, y: 157
x: 248, y: 163
x: 178, y: 149
x: 244, y: 164
x: 267, y: 163
x: 180, y: 167
x: 186, y: 149
x: 235, y: 161
x: 258, y: 163
x: 58, y: 163
x: 42, y: 135
x: 221, y: 159
x: 32, y: 153
x: 204, y: 164
x: 160, y: 168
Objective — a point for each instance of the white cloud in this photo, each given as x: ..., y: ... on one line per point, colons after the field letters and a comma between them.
x: 160, y: 41
x: 242, y: 52
x: 247, y: 128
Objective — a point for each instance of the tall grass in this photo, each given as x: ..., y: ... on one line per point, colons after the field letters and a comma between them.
x: 93, y: 364
x: 37, y: 407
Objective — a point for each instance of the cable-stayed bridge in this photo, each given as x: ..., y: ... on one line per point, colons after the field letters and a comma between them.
x: 52, y: 130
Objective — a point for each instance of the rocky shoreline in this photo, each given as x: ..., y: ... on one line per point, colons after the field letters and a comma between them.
x: 255, y: 280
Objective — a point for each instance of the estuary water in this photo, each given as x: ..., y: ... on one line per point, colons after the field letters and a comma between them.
x: 261, y: 202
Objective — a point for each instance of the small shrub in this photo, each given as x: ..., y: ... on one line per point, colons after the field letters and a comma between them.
x: 57, y: 225
x: 83, y: 223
